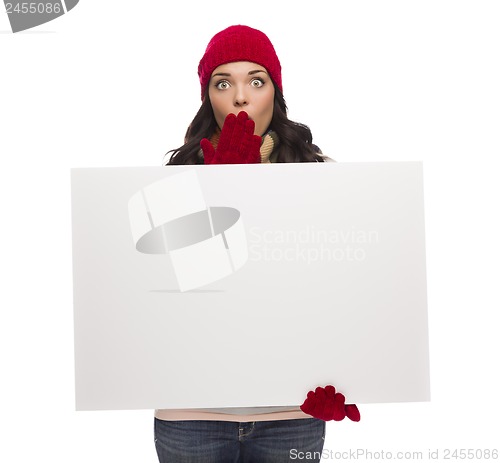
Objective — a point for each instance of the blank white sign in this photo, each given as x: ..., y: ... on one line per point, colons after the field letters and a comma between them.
x: 318, y: 278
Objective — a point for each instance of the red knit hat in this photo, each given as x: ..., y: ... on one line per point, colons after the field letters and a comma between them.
x: 239, y: 43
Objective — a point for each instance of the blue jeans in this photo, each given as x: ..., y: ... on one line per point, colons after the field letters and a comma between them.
x: 231, y: 442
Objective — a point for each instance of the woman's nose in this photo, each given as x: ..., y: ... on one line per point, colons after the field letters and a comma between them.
x: 240, y: 97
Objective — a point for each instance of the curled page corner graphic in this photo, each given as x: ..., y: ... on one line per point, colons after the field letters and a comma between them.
x: 26, y: 15
x: 205, y: 244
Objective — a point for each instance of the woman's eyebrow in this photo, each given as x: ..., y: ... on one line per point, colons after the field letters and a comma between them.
x: 250, y: 73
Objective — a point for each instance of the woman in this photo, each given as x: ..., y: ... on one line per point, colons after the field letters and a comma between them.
x: 243, y: 119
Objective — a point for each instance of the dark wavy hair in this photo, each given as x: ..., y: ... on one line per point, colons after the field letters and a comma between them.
x: 295, y: 139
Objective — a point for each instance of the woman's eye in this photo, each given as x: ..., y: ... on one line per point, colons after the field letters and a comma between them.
x: 222, y: 85
x: 257, y: 83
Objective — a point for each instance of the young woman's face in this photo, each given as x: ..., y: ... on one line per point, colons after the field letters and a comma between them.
x: 242, y: 86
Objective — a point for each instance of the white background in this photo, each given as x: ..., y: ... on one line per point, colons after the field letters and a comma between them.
x: 114, y: 84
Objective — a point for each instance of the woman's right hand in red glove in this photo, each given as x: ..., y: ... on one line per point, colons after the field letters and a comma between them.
x: 326, y: 404
x: 237, y: 143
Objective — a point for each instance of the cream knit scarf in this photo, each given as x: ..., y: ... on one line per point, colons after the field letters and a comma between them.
x: 270, y: 142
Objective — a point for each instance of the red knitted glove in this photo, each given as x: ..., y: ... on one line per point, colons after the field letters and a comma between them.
x: 237, y: 143
x: 327, y: 405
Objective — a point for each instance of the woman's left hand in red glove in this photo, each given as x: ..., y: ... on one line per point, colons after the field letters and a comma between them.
x: 237, y: 142
x: 326, y: 404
